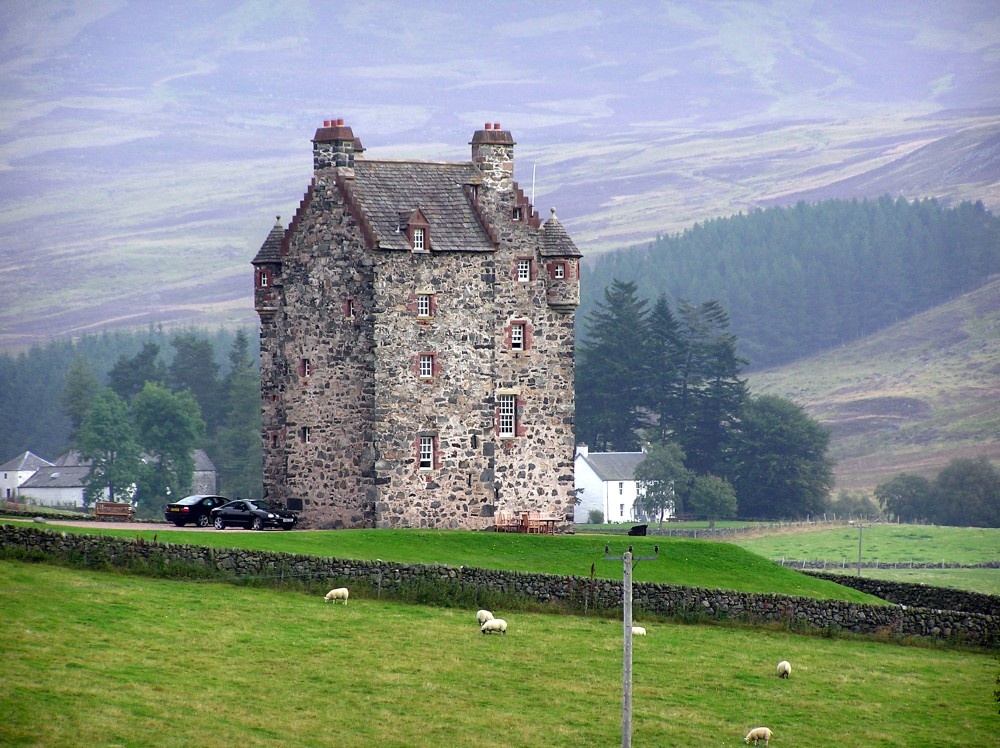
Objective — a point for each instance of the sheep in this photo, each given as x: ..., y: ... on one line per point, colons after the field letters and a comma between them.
x: 483, y: 616
x: 638, y: 631
x: 784, y: 669
x: 758, y: 733
x: 340, y: 593
x: 493, y: 625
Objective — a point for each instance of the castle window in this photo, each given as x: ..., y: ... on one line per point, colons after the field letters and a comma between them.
x: 517, y: 214
x: 305, y: 367
x: 426, y: 366
x: 517, y: 336
x: 506, y: 416
x: 523, y: 270
x: 423, y: 305
x: 274, y: 439
x: 349, y: 307
x: 418, y: 240
x: 426, y: 453
x: 262, y: 279
x: 305, y: 434
x: 559, y: 271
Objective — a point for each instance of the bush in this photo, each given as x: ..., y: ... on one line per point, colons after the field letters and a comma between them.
x: 595, y: 517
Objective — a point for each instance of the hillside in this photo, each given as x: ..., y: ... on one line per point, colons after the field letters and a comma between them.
x: 146, y: 148
x: 909, y: 398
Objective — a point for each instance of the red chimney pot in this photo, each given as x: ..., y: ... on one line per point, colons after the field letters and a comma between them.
x: 496, y: 125
x: 487, y: 126
x: 340, y: 122
x: 326, y: 123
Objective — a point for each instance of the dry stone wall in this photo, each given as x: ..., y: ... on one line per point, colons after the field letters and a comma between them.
x: 650, y: 598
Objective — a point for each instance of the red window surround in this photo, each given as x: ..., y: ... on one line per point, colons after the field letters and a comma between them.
x: 413, y: 307
x: 435, y: 453
x: 349, y: 308
x: 305, y: 367
x: 508, y: 330
x: 263, y: 278
x: 519, y: 429
x: 435, y: 365
x: 532, y: 269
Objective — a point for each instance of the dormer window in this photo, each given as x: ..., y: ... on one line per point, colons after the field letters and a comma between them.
x: 414, y: 224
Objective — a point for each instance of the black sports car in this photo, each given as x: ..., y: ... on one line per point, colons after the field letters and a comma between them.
x: 196, y: 509
x: 254, y: 514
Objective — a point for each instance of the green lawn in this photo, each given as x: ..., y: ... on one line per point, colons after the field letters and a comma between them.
x: 92, y: 658
x: 693, y: 563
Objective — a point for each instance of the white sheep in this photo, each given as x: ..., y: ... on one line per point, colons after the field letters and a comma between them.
x: 494, y: 625
x: 638, y: 631
x: 784, y: 669
x: 758, y: 733
x: 483, y: 616
x: 340, y: 593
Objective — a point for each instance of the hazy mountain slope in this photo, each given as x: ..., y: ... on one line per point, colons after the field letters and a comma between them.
x: 909, y: 398
x: 145, y: 148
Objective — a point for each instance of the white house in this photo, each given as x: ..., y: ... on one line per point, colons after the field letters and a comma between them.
x: 61, y: 484
x: 14, y: 473
x: 606, y: 481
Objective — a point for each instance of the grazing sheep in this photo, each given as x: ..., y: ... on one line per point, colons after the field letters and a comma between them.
x: 494, y: 625
x: 784, y: 669
x: 638, y: 631
x: 340, y: 593
x: 483, y: 616
x: 758, y: 733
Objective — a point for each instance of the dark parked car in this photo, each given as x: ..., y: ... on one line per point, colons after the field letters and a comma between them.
x: 253, y: 513
x: 197, y: 509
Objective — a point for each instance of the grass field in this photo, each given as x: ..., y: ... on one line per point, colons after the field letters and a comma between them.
x: 890, y: 545
x: 92, y: 658
x: 693, y: 563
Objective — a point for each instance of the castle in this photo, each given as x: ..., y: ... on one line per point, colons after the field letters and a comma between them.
x: 416, y: 343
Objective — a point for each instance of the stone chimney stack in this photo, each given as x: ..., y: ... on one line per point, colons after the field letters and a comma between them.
x: 493, y: 153
x: 334, y: 146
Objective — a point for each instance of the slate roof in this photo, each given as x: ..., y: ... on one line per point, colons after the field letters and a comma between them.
x: 270, y: 250
x: 614, y: 466
x: 555, y: 240
x: 24, y: 462
x: 387, y: 189
x: 57, y: 476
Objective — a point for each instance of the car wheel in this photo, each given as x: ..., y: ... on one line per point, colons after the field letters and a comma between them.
x: 219, y: 524
x: 204, y: 521
x: 258, y: 523
x: 178, y: 523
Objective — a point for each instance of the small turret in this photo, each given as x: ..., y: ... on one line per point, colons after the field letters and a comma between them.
x: 562, y: 266
x: 267, y: 271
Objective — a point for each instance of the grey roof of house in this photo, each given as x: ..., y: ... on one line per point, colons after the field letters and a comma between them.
x: 202, y: 462
x: 57, y: 476
x: 613, y: 466
x: 387, y: 189
x: 25, y: 461
x: 73, y: 458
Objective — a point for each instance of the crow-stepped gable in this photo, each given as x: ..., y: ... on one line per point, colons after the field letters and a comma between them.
x: 416, y: 343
